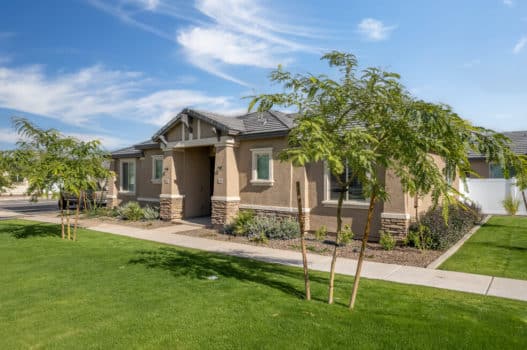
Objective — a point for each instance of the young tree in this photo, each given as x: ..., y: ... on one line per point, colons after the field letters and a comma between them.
x: 49, y: 159
x: 369, y: 123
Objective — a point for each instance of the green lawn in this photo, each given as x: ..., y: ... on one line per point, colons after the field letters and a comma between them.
x: 108, y: 291
x: 498, y: 248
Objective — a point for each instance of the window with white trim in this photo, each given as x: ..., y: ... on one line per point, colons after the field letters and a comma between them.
x: 157, y: 168
x: 262, y: 166
x: 127, y: 175
x: 354, y: 195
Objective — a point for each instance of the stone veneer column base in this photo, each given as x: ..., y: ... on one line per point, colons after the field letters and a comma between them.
x: 112, y: 201
x: 396, y: 224
x: 171, y: 208
x: 223, y: 211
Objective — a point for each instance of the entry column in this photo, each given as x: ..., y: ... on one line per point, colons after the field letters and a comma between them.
x: 226, y: 198
x: 171, y: 200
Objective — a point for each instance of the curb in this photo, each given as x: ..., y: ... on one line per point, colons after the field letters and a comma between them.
x: 441, y: 259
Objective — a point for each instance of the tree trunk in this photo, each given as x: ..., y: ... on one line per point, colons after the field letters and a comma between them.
x: 68, y: 217
x: 61, y: 217
x: 524, y: 199
x: 301, y: 223
x: 77, y: 218
x: 367, y: 230
x: 337, y: 242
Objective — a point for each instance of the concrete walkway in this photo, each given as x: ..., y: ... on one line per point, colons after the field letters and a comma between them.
x: 458, y: 281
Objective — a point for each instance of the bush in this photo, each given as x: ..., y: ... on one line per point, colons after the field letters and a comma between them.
x: 238, y: 226
x: 419, y: 236
x: 130, y: 211
x: 511, y: 205
x: 321, y: 233
x: 461, y: 218
x: 387, y: 241
x: 150, y: 213
x: 273, y: 228
x: 346, y: 235
x: 100, y: 211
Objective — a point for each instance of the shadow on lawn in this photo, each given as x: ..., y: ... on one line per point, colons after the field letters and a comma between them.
x: 499, y: 245
x: 202, y: 265
x: 32, y: 230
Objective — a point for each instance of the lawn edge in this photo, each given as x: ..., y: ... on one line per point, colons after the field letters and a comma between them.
x: 436, y: 264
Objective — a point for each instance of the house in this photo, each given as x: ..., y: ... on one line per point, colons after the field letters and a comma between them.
x: 488, y: 186
x: 206, y: 164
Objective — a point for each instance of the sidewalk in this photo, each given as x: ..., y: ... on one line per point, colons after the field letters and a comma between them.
x: 458, y: 281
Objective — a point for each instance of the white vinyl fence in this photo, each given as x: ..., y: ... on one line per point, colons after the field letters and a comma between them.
x: 489, y: 193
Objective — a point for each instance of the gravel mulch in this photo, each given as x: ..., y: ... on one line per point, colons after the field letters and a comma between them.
x: 374, y: 252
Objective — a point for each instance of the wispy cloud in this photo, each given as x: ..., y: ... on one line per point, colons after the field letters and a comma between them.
x: 375, y: 30
x: 520, y: 45
x: 84, y: 96
x: 221, y: 34
x: 509, y: 3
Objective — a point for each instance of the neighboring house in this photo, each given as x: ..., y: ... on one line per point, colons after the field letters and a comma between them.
x: 488, y: 187
x: 202, y: 164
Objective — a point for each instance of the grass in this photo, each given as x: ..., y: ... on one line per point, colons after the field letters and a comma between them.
x: 108, y: 291
x: 498, y: 248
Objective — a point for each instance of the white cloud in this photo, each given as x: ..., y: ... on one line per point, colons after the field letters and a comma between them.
x: 233, y: 33
x: 9, y: 136
x: 375, y: 30
x: 81, y: 97
x: 520, y: 45
x: 509, y: 3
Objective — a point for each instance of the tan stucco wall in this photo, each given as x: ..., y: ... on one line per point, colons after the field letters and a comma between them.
x: 279, y: 194
x: 481, y: 167
x: 145, y: 187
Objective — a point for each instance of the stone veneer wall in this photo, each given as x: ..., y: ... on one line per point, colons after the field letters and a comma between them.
x: 223, y: 211
x: 171, y: 208
x: 396, y: 224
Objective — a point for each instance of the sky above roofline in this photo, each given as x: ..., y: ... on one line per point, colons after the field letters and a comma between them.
x: 118, y: 70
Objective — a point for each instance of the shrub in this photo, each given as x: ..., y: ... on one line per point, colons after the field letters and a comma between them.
x: 130, y: 211
x: 346, y: 235
x: 511, y: 205
x: 387, y: 241
x: 442, y: 234
x: 150, y: 213
x: 273, y: 228
x: 238, y: 226
x: 419, y: 236
x: 100, y: 211
x: 321, y: 233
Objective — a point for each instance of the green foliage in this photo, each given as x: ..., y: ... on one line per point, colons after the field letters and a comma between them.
x: 130, y: 211
x: 346, y: 236
x: 321, y: 233
x: 419, y: 236
x: 387, y: 241
x: 272, y: 228
x: 440, y: 233
x: 246, y: 223
x: 101, y: 212
x: 150, y: 213
x: 238, y: 225
x: 511, y: 205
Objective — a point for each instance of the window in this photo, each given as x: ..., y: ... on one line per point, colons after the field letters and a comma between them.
x: 128, y: 175
x: 262, y: 166
x: 496, y: 172
x: 157, y: 168
x: 354, y: 195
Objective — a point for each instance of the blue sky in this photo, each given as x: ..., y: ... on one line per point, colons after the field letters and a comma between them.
x: 117, y: 70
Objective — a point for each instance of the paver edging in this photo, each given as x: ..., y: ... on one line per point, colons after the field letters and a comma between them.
x: 452, y: 250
